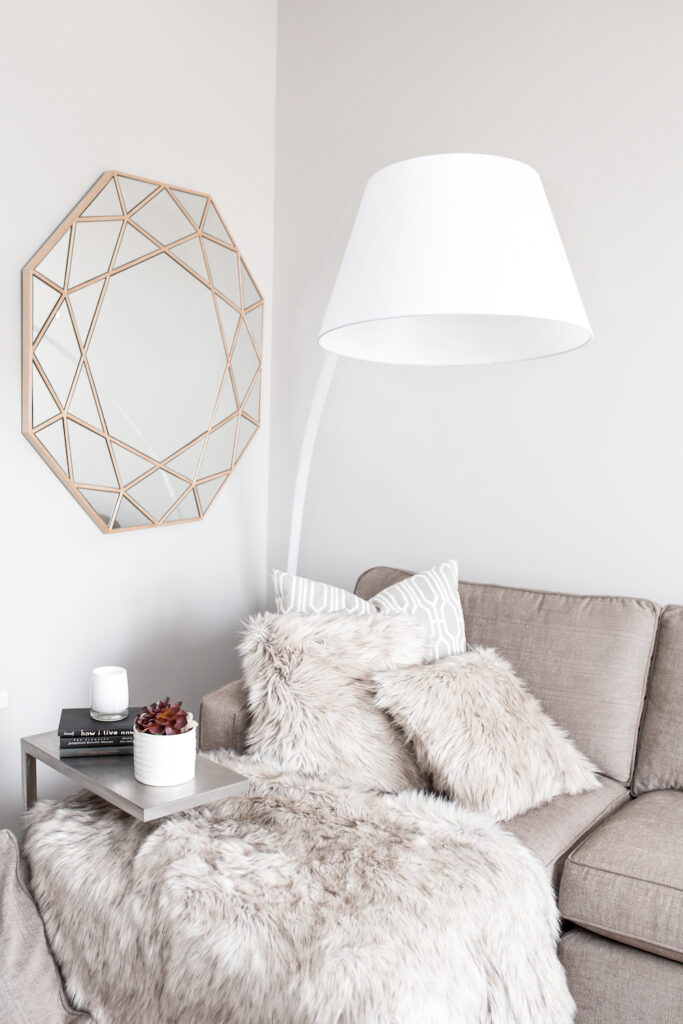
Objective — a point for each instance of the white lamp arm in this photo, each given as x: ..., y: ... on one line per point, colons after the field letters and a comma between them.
x: 307, y: 446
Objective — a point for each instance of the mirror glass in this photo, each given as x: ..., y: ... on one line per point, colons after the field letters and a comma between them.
x: 213, y: 225
x: 45, y: 299
x: 208, y: 491
x: 158, y: 492
x: 254, y: 320
x: 246, y: 431
x: 158, y: 363
x: 54, y: 264
x: 44, y: 405
x: 52, y: 438
x: 244, y: 362
x: 249, y: 290
x: 93, y: 249
x: 145, y: 341
x: 163, y: 219
x: 133, y: 245
x: 193, y: 204
x: 105, y: 204
x: 134, y: 190
x: 128, y: 516
x: 130, y: 465
x: 191, y: 255
x: 186, y: 463
x: 252, y: 406
x: 90, y: 459
x: 224, y: 267
x: 102, y: 503
x: 185, y: 509
x: 82, y: 404
x: 217, y: 455
x: 83, y: 302
x: 58, y: 353
x: 227, y: 404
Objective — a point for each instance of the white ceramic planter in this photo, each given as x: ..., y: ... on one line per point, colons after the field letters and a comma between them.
x: 164, y: 760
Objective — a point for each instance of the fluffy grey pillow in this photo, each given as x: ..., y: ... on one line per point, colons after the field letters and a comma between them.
x: 484, y: 737
x: 311, y: 701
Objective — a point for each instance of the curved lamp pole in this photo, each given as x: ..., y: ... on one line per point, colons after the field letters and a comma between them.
x: 307, y: 445
x: 453, y: 260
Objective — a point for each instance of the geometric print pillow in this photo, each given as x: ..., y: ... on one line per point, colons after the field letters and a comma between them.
x: 431, y: 597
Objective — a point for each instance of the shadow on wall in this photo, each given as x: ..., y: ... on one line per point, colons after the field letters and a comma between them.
x: 182, y: 665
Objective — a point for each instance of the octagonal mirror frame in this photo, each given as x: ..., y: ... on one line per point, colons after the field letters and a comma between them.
x: 119, y: 477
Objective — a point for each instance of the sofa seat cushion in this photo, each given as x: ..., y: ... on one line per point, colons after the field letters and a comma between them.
x: 552, y: 830
x: 625, y: 881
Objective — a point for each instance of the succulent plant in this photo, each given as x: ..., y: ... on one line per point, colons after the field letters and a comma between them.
x: 163, y: 718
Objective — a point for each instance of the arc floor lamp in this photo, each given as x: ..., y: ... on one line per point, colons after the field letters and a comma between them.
x: 453, y: 260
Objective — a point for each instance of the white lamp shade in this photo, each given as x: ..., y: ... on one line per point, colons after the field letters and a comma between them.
x: 454, y: 259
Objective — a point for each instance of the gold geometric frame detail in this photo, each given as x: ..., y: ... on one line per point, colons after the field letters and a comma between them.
x: 49, y: 422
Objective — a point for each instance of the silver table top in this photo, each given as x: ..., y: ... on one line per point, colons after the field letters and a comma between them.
x: 112, y: 779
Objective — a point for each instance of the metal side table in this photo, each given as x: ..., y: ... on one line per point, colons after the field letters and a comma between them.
x: 112, y: 779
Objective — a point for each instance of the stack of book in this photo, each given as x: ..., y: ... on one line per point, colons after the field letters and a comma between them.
x: 80, y: 735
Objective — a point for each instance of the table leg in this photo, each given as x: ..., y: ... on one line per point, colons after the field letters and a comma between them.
x: 28, y: 779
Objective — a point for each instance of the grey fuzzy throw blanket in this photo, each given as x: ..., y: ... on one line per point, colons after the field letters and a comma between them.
x: 302, y: 902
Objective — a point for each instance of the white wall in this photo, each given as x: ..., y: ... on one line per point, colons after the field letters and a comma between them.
x: 184, y: 93
x: 562, y: 473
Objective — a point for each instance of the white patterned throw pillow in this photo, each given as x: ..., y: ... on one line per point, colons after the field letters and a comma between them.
x: 431, y: 597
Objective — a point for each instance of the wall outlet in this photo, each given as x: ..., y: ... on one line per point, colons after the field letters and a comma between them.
x: 4, y: 699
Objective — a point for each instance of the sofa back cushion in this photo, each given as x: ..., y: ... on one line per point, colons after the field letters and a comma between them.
x: 659, y: 764
x: 585, y: 658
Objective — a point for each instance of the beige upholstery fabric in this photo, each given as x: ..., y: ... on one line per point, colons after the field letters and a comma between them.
x: 379, y: 578
x: 625, y: 880
x: 223, y: 718
x: 659, y: 763
x: 549, y: 831
x: 615, y: 984
x: 553, y: 830
x: 30, y: 986
x: 585, y: 658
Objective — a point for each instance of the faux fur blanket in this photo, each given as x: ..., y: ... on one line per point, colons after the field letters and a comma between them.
x: 302, y: 902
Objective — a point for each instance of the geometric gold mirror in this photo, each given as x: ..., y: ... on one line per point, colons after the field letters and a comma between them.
x: 142, y: 340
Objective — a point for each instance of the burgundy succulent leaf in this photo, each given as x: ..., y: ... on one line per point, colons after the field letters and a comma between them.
x: 162, y: 718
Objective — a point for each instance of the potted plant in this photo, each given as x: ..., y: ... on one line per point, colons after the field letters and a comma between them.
x: 164, y: 744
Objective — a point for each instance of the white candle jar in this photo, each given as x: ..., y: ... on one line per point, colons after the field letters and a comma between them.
x: 109, y: 693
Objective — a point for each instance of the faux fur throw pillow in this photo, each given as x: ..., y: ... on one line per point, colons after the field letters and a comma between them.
x: 484, y: 737
x: 311, y: 701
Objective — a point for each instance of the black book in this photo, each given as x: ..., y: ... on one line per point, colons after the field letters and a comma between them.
x: 122, y: 749
x: 67, y: 742
x: 76, y: 722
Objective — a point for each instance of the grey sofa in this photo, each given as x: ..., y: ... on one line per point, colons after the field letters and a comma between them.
x: 610, y: 671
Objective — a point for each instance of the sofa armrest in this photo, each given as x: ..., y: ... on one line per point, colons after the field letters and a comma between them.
x: 223, y: 718
x: 30, y: 984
